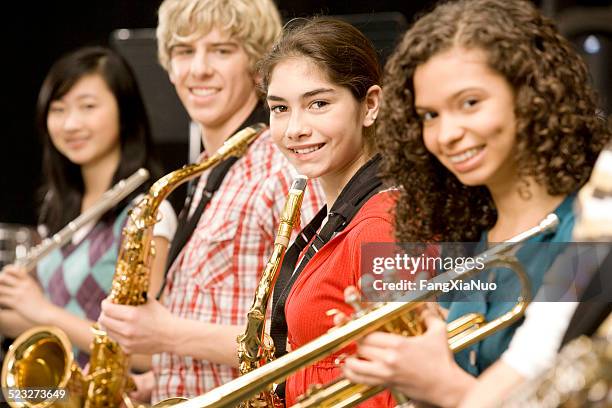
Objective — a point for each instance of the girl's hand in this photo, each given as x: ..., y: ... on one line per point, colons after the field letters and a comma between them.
x: 422, y: 367
x: 19, y: 291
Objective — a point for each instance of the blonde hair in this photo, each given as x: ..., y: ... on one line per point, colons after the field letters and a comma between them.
x: 255, y: 24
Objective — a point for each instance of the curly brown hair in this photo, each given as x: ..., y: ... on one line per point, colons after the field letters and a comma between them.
x: 559, y: 128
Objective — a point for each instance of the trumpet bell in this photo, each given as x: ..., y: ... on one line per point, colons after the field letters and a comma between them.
x: 39, y: 369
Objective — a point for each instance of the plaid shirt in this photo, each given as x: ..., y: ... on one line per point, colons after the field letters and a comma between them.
x: 214, y: 277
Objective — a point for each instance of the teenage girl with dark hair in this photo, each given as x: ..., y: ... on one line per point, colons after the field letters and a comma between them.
x: 95, y: 132
x: 322, y: 83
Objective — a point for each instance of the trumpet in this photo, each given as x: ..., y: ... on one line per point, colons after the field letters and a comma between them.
x: 385, y: 316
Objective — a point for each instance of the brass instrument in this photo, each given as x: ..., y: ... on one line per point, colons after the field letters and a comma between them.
x: 344, y: 393
x: 108, y: 364
x: 385, y: 316
x: 581, y: 375
x: 255, y: 348
x: 106, y: 384
x: 582, y: 372
x: 42, y: 356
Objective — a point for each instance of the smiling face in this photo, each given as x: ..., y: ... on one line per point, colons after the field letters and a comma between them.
x: 212, y: 78
x: 467, y: 112
x: 84, y: 123
x: 318, y: 125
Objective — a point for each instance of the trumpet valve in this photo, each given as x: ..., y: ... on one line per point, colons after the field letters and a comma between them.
x: 340, y: 359
x: 339, y: 318
x: 351, y: 297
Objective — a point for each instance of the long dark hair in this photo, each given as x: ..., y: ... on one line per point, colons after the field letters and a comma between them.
x: 560, y: 130
x: 63, y: 186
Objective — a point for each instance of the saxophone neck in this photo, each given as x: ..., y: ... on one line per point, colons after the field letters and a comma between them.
x: 137, y: 249
x: 251, y: 344
x: 237, y: 144
x: 234, y: 146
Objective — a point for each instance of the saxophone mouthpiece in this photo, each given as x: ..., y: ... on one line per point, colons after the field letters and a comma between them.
x: 299, y: 183
x: 290, y: 216
x: 239, y: 141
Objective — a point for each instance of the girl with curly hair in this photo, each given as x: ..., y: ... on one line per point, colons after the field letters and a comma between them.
x: 488, y: 124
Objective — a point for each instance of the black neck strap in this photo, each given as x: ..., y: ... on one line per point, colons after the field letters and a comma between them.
x: 363, y: 185
x: 186, y: 225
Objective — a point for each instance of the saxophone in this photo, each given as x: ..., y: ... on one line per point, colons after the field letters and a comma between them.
x: 255, y: 348
x: 107, y: 382
x: 109, y: 365
x: 581, y: 376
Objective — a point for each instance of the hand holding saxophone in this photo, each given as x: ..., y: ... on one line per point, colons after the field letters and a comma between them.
x: 138, y: 329
x: 382, y: 358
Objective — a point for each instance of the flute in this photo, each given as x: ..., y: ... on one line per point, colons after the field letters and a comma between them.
x: 108, y: 200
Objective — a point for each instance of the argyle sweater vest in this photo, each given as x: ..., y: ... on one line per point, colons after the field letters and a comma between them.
x: 78, y: 277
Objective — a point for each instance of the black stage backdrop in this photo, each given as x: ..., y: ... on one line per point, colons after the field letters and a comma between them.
x: 36, y: 33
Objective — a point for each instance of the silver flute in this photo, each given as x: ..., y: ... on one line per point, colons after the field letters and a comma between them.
x: 108, y: 200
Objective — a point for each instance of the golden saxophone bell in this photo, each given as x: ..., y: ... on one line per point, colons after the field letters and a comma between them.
x: 391, y: 316
x: 42, y: 359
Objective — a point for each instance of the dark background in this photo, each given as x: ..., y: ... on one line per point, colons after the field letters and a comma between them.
x: 36, y: 33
